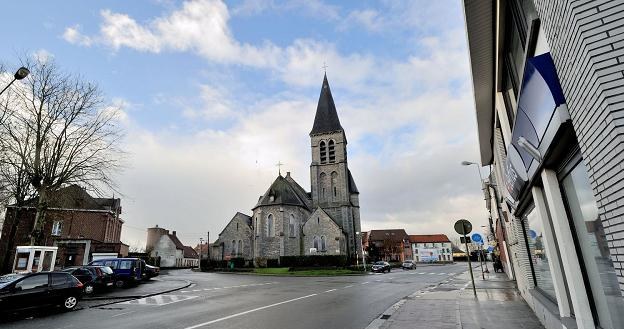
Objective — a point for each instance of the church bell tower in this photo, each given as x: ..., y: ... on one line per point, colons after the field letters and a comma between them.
x: 333, y: 187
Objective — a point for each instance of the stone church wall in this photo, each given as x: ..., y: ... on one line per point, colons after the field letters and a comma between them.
x: 321, y: 225
x: 237, y: 229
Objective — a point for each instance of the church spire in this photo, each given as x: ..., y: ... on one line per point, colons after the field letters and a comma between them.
x: 326, y: 119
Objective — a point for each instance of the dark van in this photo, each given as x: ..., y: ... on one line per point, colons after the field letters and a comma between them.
x: 127, y: 270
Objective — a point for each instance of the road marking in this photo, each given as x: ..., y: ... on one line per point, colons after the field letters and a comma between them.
x: 197, y: 290
x: 159, y: 300
x: 184, y: 291
x: 365, y: 282
x: 349, y: 286
x: 421, y: 273
x: 390, y: 278
x: 432, y: 273
x: 250, y: 311
x: 120, y: 314
x: 206, y: 289
x: 377, y: 280
x: 330, y: 290
x: 442, y: 274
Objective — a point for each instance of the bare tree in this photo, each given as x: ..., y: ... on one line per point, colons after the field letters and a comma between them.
x: 58, y: 130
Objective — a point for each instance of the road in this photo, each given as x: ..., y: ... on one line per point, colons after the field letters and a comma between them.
x: 249, y: 301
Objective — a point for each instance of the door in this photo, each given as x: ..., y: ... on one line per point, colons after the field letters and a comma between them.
x: 31, y: 291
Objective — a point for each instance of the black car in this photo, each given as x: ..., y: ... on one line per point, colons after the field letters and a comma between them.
x: 34, y: 290
x: 151, y: 271
x: 382, y: 267
x: 93, y: 277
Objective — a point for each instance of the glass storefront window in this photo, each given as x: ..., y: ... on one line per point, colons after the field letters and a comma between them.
x: 539, y: 256
x: 607, y: 297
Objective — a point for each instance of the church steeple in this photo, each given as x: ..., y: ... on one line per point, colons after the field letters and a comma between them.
x: 326, y: 119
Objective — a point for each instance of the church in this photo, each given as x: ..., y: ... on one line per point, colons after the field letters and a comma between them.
x: 289, y: 221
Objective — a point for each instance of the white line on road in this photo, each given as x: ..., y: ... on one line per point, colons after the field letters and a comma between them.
x: 349, y: 286
x: 330, y: 290
x: 247, y: 312
x: 421, y: 273
x: 365, y: 282
x: 442, y: 274
x: 432, y: 273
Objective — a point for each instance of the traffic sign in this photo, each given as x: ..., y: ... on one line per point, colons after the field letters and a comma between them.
x: 465, y: 239
x: 490, y: 249
x: 463, y: 226
x: 476, y: 237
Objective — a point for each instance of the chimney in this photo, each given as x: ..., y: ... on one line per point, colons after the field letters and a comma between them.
x: 288, y: 174
x: 174, y: 232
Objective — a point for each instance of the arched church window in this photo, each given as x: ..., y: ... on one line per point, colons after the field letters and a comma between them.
x: 270, y: 226
x: 323, y: 185
x: 233, y: 250
x: 240, y: 247
x: 334, y: 183
x: 291, y: 225
x: 332, y: 152
x: 323, y: 243
x: 323, y: 150
x: 315, y: 242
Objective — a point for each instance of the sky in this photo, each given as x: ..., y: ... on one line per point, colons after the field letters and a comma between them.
x: 212, y: 94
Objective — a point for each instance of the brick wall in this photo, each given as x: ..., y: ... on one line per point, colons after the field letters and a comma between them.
x: 587, y: 45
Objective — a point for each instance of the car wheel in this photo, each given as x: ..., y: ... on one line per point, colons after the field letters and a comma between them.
x: 89, y: 288
x: 69, y: 303
x: 120, y: 283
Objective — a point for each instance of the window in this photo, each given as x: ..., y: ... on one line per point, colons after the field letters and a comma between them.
x: 538, y: 253
x: 111, y: 263
x: 270, y: 228
x: 32, y: 282
x: 125, y: 264
x: 334, y: 183
x: 323, y: 243
x: 323, y: 150
x: 590, y: 237
x: 240, y: 247
x: 233, y: 248
x: 323, y: 185
x: 291, y: 226
x: 22, y: 260
x: 332, y: 152
x: 237, y: 226
x: 315, y: 242
x: 59, y: 280
x: 57, y: 228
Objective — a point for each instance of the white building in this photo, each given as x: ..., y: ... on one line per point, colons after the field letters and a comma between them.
x: 548, y: 81
x: 169, y: 249
x: 431, y: 248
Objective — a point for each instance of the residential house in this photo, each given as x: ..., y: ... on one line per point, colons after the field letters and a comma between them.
x: 388, y: 245
x: 431, y: 247
x: 77, y: 223
x: 169, y: 249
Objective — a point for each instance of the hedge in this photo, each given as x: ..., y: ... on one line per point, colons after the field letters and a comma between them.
x: 313, y: 261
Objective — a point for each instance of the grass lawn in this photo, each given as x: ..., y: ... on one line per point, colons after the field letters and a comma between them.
x: 284, y: 271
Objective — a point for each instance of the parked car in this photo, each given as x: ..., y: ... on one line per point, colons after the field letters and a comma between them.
x: 151, y: 271
x: 382, y: 267
x: 35, y: 290
x: 93, y: 277
x: 408, y: 265
x: 127, y: 271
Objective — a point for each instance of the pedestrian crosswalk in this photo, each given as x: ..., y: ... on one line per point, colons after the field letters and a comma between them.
x: 159, y: 300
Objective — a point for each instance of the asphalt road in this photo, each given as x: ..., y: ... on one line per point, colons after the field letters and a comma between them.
x: 249, y: 301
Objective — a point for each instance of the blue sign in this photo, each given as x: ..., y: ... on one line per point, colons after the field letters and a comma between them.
x: 532, y: 234
x: 476, y: 238
x: 540, y: 97
x: 490, y: 249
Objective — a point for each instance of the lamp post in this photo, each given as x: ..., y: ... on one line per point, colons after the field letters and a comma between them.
x: 487, y: 237
x: 201, y: 242
x: 362, y: 250
x: 21, y: 73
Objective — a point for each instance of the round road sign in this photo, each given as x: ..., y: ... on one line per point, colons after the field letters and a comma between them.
x: 463, y: 226
x: 476, y: 237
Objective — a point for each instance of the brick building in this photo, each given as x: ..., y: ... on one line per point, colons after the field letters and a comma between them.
x: 76, y: 222
x: 388, y: 245
x: 548, y: 81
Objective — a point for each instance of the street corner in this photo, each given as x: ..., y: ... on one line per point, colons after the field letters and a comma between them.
x: 153, y: 287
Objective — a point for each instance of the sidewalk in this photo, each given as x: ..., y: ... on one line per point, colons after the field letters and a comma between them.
x: 452, y: 304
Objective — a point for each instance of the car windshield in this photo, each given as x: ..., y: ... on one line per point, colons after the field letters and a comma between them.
x: 106, y: 270
x: 380, y: 263
x: 7, y: 279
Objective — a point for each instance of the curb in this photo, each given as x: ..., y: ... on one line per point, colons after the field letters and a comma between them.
x: 287, y: 275
x: 127, y: 298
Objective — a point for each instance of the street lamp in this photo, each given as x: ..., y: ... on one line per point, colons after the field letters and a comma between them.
x: 21, y: 73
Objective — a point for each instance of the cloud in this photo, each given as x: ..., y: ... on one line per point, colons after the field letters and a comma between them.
x: 42, y: 55
x: 73, y: 35
x: 370, y: 19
